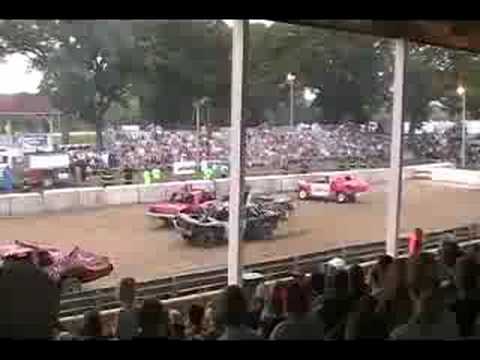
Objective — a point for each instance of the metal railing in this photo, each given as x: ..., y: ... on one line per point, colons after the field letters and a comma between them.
x: 215, y: 279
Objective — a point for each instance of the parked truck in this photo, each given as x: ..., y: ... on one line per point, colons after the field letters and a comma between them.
x: 40, y: 170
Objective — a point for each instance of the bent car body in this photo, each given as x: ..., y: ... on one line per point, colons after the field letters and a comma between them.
x: 339, y: 188
x: 186, y: 201
x: 79, y: 265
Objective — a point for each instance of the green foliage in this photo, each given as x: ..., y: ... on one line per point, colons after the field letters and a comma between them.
x: 155, y: 70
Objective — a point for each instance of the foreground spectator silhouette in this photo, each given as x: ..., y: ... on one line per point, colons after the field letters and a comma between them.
x: 232, y: 314
x: 468, y: 293
x: 127, y: 320
x: 196, y: 329
x: 176, y: 325
x: 301, y: 323
x: 394, y: 302
x: 29, y: 302
x: 92, y: 325
x: 364, y: 322
x: 274, y: 312
x: 336, y: 305
x: 357, y: 286
x: 378, y: 272
x: 152, y: 319
x: 431, y: 317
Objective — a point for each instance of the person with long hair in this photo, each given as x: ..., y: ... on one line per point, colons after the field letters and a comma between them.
x: 152, y: 319
x: 431, y: 318
x: 467, y: 305
x: 92, y: 326
x: 232, y: 314
x: 300, y: 323
x: 275, y: 310
x: 394, y: 302
x: 376, y: 276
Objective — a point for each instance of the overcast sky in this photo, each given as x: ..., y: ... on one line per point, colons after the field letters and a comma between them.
x: 15, y: 77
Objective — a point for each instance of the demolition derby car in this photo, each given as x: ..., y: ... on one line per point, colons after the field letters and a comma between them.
x: 340, y: 188
x: 68, y: 270
x: 187, y: 201
x: 210, y: 227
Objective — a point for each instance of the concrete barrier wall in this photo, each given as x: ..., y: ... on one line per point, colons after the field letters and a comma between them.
x: 26, y: 204
x: 121, y: 194
x: 6, y: 205
x: 152, y: 193
x: 61, y: 200
x: 66, y: 199
x: 92, y: 197
x: 457, y: 176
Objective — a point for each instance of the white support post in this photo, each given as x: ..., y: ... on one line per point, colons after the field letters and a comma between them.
x: 237, y: 152
x: 394, y: 199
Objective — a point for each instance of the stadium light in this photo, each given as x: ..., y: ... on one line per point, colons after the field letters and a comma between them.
x: 461, y: 91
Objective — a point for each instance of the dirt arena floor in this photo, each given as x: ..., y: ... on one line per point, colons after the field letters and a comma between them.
x: 136, y: 249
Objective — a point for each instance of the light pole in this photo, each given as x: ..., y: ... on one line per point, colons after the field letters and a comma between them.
x: 196, y: 106
x: 463, y: 93
x: 291, y: 81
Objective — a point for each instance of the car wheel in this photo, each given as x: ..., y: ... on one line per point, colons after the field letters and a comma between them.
x: 341, y: 198
x: 302, y: 195
x: 70, y: 285
x: 353, y: 198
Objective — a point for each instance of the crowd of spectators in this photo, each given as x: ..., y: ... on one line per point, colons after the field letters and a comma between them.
x: 424, y: 296
x: 269, y: 147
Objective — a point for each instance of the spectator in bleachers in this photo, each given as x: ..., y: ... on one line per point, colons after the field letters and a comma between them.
x: 468, y: 294
x: 301, y: 323
x: 255, y: 314
x: 60, y: 332
x: 364, y: 322
x: 275, y: 310
x: 196, y: 328
x: 29, y: 302
x: 127, y: 321
x: 394, y: 302
x: 232, y: 313
x: 449, y: 253
x: 431, y: 318
x: 317, y: 282
x: 152, y: 320
x: 377, y: 273
x: 176, y: 325
x: 336, y: 305
x: 212, y: 330
x: 92, y: 326
x: 357, y: 286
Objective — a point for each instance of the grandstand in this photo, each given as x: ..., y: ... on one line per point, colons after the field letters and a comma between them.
x: 293, y: 298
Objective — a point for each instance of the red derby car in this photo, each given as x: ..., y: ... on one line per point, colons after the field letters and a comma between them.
x: 69, y: 270
x: 187, y: 201
x: 339, y: 188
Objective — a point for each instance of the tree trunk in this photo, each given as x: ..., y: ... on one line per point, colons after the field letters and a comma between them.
x: 99, y: 132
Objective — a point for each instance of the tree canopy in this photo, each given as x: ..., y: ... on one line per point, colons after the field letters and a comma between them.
x: 162, y: 67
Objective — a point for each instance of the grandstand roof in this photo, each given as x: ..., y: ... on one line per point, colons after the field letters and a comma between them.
x: 461, y: 35
x: 26, y: 104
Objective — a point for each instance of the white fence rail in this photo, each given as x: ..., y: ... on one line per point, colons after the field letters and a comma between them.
x: 81, y: 198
